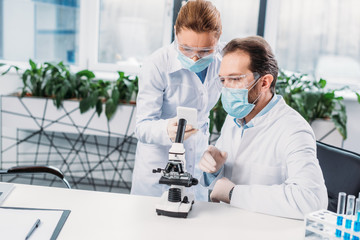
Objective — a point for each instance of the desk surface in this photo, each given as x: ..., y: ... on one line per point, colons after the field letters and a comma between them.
x: 100, y: 215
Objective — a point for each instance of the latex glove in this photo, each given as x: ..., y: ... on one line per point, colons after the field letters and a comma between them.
x: 212, y: 160
x: 221, y: 190
x: 173, y: 126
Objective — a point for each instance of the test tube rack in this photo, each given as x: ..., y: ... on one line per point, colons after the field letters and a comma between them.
x: 322, y: 225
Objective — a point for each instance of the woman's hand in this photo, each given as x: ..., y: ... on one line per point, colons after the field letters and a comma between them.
x: 173, y: 126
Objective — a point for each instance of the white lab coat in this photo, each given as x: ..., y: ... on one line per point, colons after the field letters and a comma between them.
x: 273, y: 164
x: 163, y: 85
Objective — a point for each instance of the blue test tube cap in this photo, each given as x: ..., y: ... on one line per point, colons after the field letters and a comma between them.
x: 339, y: 220
x: 338, y: 233
x: 356, y: 226
x: 346, y: 236
x: 348, y: 223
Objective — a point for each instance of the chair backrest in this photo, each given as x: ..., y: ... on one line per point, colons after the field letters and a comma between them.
x: 35, y: 169
x: 341, y: 170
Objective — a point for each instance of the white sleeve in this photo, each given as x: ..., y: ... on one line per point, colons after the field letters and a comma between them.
x: 302, y: 192
x: 149, y: 127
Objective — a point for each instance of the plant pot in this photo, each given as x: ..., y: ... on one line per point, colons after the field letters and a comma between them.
x: 326, y: 132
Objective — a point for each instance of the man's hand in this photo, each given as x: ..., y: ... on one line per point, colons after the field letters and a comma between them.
x: 221, y: 190
x: 173, y: 126
x: 212, y: 160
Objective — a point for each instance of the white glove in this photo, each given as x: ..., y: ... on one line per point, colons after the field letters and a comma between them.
x: 212, y: 160
x: 221, y: 190
x: 173, y: 126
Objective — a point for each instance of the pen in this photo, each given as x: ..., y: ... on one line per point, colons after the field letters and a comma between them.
x: 36, y: 225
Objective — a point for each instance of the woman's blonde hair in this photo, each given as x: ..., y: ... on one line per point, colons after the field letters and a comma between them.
x: 199, y: 16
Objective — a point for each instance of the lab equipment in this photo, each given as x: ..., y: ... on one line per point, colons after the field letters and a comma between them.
x: 176, y: 202
x: 350, y: 205
x: 323, y: 224
x: 340, y: 212
x: 349, y: 215
x: 357, y: 206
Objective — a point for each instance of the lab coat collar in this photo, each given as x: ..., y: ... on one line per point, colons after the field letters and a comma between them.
x: 173, y: 62
x: 241, y: 122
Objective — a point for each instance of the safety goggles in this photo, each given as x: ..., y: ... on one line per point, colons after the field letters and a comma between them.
x: 239, y: 79
x: 191, y: 52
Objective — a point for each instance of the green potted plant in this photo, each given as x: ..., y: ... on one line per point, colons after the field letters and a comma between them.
x: 56, y: 81
x: 313, y: 100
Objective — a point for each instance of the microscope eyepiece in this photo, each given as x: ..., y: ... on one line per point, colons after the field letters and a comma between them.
x: 180, y: 131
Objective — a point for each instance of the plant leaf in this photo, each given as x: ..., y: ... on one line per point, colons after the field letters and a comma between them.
x: 99, y: 106
x: 32, y: 64
x: 86, y: 73
x: 110, y: 108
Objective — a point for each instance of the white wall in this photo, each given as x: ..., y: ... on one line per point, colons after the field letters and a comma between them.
x: 352, y: 143
x: 18, y: 35
x: 10, y: 83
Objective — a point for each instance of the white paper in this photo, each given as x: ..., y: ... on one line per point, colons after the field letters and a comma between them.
x: 5, y: 189
x: 16, y: 223
x: 189, y: 114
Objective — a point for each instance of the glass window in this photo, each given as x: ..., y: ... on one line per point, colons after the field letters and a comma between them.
x: 45, y: 30
x: 321, y: 38
x: 130, y: 29
x: 239, y: 18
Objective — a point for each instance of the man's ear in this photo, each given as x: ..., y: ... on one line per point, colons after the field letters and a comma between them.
x: 267, y: 80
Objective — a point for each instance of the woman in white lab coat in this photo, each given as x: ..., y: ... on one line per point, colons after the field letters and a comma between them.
x: 181, y: 74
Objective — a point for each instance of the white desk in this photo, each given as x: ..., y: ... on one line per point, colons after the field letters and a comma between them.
x: 99, y: 215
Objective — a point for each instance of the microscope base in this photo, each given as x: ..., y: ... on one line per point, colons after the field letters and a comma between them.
x: 175, y: 209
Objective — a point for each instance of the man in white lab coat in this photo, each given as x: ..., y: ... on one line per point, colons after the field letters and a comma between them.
x: 265, y: 159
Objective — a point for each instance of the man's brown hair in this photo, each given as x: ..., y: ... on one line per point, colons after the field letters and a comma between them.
x: 262, y: 59
x: 199, y: 16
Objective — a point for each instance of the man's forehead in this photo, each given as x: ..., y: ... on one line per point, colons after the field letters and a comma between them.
x: 235, y: 62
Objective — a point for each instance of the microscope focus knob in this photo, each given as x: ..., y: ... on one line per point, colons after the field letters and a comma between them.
x: 194, y: 181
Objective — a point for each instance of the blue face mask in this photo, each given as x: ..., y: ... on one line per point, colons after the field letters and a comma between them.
x: 235, y: 101
x: 197, y: 66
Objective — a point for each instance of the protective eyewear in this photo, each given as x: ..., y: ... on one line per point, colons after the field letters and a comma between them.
x: 240, y: 79
x: 191, y: 52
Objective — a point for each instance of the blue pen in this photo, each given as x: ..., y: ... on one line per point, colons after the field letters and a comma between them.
x: 33, y: 228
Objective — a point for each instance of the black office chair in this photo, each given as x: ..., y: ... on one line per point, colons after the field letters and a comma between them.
x: 41, y: 169
x: 341, y: 170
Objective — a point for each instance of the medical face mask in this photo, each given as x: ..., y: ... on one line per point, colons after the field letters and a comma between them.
x: 235, y: 101
x: 197, y: 66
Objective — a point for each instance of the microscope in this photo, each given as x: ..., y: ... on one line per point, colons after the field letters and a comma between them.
x: 176, y: 202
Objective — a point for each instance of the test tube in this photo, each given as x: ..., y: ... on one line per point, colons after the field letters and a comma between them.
x: 341, y: 203
x: 349, y: 214
x: 340, y: 212
x: 350, y: 205
x: 357, y: 206
x: 357, y: 219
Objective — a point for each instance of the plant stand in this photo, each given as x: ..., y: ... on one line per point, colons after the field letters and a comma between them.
x: 326, y: 132
x: 92, y: 152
